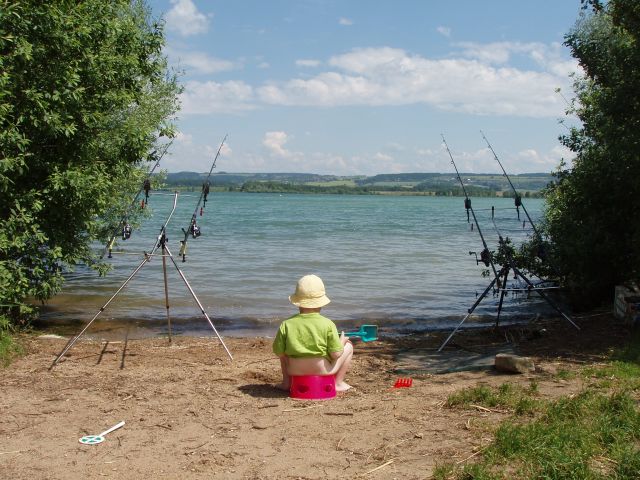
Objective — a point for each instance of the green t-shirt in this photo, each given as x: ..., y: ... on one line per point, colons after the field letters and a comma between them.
x: 307, y: 335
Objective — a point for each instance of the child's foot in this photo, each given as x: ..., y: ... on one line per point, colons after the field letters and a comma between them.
x: 283, y: 386
x: 342, y: 387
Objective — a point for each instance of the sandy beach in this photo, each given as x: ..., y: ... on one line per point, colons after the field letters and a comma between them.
x: 191, y: 413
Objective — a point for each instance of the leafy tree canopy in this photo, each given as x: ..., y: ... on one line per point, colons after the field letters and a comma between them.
x: 592, y: 217
x: 85, y: 93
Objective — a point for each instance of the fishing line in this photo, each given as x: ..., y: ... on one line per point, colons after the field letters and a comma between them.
x: 193, y: 229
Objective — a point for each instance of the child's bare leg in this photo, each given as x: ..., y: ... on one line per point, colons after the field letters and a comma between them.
x: 342, y: 365
x: 284, y: 366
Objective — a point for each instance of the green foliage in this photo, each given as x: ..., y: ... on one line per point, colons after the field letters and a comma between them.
x: 84, y: 95
x: 8, y: 346
x: 591, y: 215
x: 286, y: 187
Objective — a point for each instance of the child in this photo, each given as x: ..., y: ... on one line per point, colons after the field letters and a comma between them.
x: 308, y: 343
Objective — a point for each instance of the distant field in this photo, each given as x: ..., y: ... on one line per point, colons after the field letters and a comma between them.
x: 333, y: 183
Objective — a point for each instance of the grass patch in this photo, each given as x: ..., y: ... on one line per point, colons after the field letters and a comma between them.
x: 513, y: 397
x: 623, y: 371
x: 592, y: 436
x: 563, y: 374
x: 9, y: 348
x: 631, y: 352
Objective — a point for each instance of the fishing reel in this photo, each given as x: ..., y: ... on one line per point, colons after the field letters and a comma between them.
x: 183, y: 250
x: 194, y: 229
x: 126, y: 231
x: 485, y: 257
x: 205, y: 191
x: 147, y: 187
x: 110, y: 246
x: 467, y: 206
x: 518, y: 203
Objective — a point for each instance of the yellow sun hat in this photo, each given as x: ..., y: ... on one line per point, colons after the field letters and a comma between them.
x: 309, y: 293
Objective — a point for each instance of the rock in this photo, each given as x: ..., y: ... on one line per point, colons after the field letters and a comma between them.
x: 506, y: 362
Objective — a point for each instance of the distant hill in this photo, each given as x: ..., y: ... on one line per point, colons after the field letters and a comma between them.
x: 529, y: 184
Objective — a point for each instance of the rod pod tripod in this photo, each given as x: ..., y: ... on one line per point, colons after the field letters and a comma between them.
x: 161, y: 243
x: 500, y: 278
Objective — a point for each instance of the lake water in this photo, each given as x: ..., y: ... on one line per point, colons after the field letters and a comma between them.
x: 401, y: 262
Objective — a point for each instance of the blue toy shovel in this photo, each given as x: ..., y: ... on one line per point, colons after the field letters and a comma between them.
x: 367, y: 333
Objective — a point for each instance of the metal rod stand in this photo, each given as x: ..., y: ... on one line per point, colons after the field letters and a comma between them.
x: 469, y: 312
x: 202, y: 310
x: 166, y: 285
x: 502, y: 294
x: 160, y: 243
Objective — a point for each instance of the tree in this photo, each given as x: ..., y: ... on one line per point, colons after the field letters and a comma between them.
x: 85, y: 94
x: 592, y: 217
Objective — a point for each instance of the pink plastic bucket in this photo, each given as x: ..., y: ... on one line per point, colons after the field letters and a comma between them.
x: 313, y: 387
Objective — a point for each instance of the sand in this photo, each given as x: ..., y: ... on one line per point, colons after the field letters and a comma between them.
x: 192, y: 413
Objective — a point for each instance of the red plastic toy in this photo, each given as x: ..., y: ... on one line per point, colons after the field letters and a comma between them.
x: 403, y: 382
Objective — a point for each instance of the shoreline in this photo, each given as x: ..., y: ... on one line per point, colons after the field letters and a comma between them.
x: 110, y: 329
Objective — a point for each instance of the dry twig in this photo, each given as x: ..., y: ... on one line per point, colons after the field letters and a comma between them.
x: 472, y: 455
x: 379, y: 467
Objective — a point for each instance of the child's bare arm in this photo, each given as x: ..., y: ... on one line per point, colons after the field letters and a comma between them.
x: 344, y: 340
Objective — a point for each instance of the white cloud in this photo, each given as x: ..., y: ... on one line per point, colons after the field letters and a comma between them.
x: 345, y: 21
x: 383, y: 157
x: 548, y: 57
x: 184, y: 138
x: 307, y: 63
x: 526, y: 160
x: 481, y: 80
x: 225, y: 151
x: 201, y: 63
x: 536, y: 161
x: 275, y: 145
x: 282, y: 159
x: 212, y: 97
x: 186, y: 154
x: 444, y: 31
x: 389, y: 76
x: 185, y: 18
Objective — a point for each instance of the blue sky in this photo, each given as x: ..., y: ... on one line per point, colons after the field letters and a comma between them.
x: 358, y: 87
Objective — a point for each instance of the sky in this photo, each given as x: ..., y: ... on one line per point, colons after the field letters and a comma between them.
x: 364, y: 87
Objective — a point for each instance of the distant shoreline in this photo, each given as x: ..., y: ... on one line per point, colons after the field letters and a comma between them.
x: 405, y: 184
x: 328, y: 191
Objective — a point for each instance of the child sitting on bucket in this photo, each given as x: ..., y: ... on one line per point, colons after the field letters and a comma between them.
x: 308, y: 343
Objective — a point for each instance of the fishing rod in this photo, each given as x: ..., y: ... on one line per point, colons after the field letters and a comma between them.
x: 485, y: 255
x: 193, y: 229
x: 146, y: 186
x: 518, y: 197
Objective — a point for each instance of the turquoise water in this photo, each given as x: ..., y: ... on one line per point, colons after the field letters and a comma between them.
x: 401, y: 262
